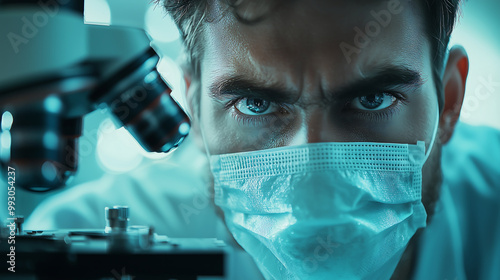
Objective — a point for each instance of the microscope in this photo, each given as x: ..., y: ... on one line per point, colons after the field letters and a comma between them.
x: 54, y: 70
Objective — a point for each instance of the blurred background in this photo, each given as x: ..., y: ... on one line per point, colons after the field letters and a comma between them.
x: 478, y: 30
x: 105, y: 149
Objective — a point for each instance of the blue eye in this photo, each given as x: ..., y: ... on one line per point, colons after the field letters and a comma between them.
x: 255, y: 106
x: 373, y: 102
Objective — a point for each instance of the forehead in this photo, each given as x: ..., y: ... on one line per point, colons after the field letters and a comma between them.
x: 325, y: 43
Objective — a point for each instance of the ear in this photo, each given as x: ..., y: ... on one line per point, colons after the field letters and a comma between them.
x: 188, y: 82
x: 187, y: 78
x: 454, y: 78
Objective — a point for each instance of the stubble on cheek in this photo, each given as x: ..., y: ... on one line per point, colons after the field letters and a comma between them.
x: 432, y: 180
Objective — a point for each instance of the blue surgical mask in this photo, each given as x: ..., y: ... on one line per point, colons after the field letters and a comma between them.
x: 323, y: 210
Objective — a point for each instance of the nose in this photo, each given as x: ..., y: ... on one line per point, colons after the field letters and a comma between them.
x: 317, y: 126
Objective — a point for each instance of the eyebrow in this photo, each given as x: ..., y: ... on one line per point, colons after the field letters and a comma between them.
x: 240, y: 86
x: 385, y: 78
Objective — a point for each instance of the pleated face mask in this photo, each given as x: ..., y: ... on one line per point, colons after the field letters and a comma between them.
x: 323, y: 210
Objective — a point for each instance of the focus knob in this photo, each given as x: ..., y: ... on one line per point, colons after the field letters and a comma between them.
x: 116, y: 218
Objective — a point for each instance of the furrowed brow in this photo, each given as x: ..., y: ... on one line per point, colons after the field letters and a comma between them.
x: 387, y: 78
x: 237, y: 86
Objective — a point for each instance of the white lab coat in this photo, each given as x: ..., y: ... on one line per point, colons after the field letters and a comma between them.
x: 461, y: 242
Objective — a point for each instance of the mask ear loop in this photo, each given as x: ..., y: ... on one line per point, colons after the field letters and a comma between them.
x: 434, y: 133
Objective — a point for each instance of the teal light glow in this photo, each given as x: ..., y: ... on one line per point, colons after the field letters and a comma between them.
x: 7, y: 120
x: 184, y: 129
x: 97, y: 12
x: 52, y: 104
x: 50, y: 140
x: 160, y: 26
x: 117, y: 151
x: 5, y: 144
x: 49, y: 171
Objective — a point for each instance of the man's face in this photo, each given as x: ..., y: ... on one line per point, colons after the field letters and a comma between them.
x: 317, y: 71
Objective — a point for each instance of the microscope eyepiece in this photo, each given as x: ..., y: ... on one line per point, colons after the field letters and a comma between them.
x: 140, y: 100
